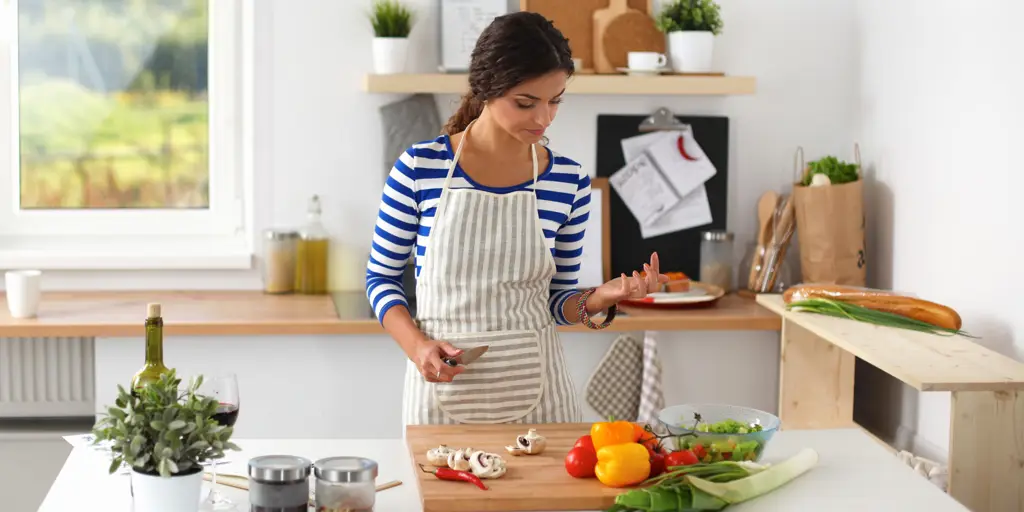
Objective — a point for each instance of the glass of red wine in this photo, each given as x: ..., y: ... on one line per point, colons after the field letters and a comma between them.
x: 224, y: 389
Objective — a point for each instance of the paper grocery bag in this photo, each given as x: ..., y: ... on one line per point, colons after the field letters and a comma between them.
x: 830, y: 227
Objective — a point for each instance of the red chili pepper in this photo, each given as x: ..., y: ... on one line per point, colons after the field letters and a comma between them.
x: 454, y: 475
x: 682, y: 150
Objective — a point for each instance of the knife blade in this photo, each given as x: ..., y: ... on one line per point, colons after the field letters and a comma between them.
x: 466, y: 357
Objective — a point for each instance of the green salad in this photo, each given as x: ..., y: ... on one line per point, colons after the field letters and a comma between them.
x: 719, y: 443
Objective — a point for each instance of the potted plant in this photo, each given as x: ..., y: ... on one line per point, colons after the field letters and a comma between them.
x: 392, y: 23
x: 164, y: 436
x: 691, y: 26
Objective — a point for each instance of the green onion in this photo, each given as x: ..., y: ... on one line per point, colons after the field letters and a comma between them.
x: 849, y: 311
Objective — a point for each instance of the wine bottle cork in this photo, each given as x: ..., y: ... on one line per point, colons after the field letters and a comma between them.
x: 153, y: 310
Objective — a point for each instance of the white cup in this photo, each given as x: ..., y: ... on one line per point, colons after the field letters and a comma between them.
x: 646, y: 61
x: 23, y: 289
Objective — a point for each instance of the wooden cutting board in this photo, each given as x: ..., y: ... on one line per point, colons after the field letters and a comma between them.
x: 532, y: 482
x: 602, y: 19
x: 633, y: 31
x: 575, y: 19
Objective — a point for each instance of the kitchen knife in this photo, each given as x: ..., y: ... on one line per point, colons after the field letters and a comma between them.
x: 467, y: 356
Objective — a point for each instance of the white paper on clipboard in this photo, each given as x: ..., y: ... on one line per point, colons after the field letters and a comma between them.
x: 462, y: 22
x: 693, y: 209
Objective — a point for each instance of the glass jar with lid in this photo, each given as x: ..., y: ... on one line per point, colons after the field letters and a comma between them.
x: 716, y: 259
x: 345, y: 484
x: 279, y: 260
x: 279, y: 483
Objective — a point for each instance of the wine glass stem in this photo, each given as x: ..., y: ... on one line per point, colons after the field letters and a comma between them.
x: 214, y: 495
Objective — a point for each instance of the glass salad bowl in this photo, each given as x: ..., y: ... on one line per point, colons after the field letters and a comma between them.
x: 717, y: 432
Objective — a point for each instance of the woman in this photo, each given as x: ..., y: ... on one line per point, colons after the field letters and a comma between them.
x: 497, y: 226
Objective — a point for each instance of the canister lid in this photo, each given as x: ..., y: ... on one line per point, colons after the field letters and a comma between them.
x: 279, y: 468
x: 280, y: 234
x: 345, y: 469
x: 717, y: 236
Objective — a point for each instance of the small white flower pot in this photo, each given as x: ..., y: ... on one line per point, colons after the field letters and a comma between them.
x: 691, y: 52
x: 390, y: 55
x: 179, y: 493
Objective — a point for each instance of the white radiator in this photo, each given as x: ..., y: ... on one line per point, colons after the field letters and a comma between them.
x: 46, y: 377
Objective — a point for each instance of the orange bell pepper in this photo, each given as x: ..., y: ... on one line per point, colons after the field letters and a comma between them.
x: 607, y: 433
x: 621, y: 465
x: 642, y: 436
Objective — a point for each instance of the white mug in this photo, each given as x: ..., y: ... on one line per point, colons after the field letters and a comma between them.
x: 647, y: 61
x: 23, y: 289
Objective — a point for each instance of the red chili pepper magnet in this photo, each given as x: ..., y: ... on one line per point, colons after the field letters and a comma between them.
x: 682, y: 150
x: 455, y: 476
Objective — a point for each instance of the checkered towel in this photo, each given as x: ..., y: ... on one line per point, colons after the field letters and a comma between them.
x: 614, y: 387
x: 652, y: 400
x: 627, y: 381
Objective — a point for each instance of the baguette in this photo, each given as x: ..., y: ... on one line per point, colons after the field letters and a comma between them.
x: 878, y: 300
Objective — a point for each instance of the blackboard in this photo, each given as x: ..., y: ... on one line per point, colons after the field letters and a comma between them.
x: 678, y: 251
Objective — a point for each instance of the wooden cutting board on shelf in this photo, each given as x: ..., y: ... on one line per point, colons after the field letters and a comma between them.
x: 633, y: 31
x: 575, y: 19
x: 532, y: 482
x: 603, y: 18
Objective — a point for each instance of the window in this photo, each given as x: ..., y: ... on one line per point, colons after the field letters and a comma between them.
x: 126, y: 127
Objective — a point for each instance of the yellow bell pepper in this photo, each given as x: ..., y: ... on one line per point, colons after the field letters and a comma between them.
x: 607, y: 433
x: 621, y: 465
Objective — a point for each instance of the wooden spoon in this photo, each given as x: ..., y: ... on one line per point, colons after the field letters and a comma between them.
x: 765, y: 209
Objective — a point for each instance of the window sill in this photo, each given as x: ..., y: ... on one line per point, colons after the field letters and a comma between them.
x: 134, y: 253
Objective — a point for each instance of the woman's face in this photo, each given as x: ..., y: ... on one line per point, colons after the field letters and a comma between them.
x: 527, y: 109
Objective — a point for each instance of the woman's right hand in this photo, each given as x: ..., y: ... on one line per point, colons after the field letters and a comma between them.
x: 427, y: 358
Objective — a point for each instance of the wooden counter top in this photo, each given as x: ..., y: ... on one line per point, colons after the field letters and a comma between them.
x: 233, y: 313
x: 927, y: 362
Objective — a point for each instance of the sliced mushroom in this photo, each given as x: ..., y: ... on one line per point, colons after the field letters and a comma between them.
x: 530, y: 444
x: 487, y: 465
x: 439, y: 456
x: 459, y: 460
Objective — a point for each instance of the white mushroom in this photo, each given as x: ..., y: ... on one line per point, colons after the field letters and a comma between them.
x: 439, y: 456
x: 487, y: 465
x: 531, y: 444
x: 459, y: 460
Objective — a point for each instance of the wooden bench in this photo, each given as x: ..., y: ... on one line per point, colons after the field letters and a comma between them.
x: 986, y: 445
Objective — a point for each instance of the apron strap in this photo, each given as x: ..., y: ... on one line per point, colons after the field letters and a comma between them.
x: 455, y: 161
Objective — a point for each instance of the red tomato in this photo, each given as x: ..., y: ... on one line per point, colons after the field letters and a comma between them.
x: 580, y: 462
x: 585, y: 442
x: 657, y: 463
x: 699, y: 451
x: 680, y: 458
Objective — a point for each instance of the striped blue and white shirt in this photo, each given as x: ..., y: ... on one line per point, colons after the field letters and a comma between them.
x: 409, y: 202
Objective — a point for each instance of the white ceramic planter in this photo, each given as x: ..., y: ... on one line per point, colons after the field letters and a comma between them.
x: 390, y: 55
x: 691, y: 52
x: 174, y: 494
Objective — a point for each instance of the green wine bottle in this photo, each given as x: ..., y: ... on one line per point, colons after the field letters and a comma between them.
x: 154, y: 366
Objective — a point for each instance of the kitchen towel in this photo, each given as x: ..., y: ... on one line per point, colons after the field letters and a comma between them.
x: 652, y: 399
x: 615, y: 386
x: 406, y: 122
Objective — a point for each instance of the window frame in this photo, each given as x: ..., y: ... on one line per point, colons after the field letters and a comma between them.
x: 220, y: 235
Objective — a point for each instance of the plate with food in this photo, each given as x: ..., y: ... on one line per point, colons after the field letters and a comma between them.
x: 680, y: 292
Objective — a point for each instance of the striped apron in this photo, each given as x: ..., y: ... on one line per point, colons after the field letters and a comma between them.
x: 485, y: 281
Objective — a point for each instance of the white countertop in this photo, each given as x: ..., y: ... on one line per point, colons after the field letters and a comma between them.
x: 854, y: 473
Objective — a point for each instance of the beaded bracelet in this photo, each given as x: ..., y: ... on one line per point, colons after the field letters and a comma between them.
x: 581, y: 310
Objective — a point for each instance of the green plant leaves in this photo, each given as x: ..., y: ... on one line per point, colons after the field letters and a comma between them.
x: 838, y: 172
x: 690, y: 15
x: 391, y: 19
x: 158, y: 430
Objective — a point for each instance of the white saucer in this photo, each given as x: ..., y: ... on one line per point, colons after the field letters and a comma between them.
x: 643, y: 72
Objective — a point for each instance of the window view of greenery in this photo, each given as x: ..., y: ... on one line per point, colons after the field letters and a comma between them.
x: 113, y: 103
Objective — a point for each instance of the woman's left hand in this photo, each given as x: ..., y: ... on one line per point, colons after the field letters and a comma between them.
x: 623, y: 287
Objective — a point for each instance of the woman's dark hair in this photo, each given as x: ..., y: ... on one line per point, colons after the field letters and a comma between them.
x: 512, y: 49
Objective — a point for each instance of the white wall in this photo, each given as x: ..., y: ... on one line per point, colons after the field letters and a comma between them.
x: 319, y: 133
x: 941, y: 126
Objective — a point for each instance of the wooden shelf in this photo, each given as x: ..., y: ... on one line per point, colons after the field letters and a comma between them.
x: 251, y: 313
x: 441, y: 83
x: 925, y: 361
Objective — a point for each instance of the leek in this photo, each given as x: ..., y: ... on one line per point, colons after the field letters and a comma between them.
x: 738, y: 491
x: 840, y: 309
x: 712, y: 486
